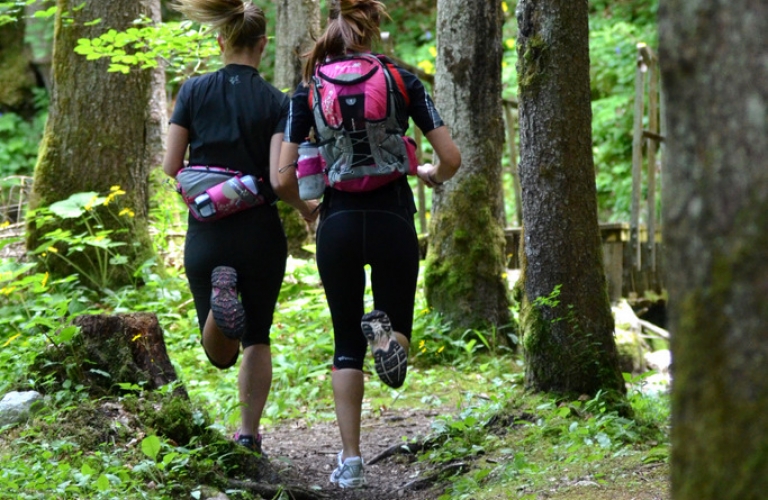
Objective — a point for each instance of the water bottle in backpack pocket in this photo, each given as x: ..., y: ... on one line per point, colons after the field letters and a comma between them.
x: 310, y: 172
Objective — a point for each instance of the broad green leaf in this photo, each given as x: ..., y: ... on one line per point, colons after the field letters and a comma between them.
x: 150, y: 446
x: 75, y: 205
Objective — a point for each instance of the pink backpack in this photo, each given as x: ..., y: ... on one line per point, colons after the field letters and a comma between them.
x: 355, y: 102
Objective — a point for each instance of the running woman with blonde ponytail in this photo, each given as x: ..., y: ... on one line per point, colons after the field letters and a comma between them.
x: 371, y: 227
x: 233, y: 118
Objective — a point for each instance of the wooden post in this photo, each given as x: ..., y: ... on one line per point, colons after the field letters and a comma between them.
x: 637, y: 159
x: 509, y: 118
x: 652, y: 144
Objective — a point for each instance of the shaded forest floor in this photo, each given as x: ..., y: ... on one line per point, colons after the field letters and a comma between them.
x: 307, y: 454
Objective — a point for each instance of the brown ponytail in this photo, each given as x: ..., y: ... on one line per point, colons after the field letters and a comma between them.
x: 240, y: 24
x: 353, y: 25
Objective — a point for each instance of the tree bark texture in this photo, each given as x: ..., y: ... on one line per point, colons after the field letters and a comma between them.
x: 17, y: 79
x: 715, y: 77
x: 113, y: 349
x: 465, y: 277
x: 104, y: 129
x: 568, y: 341
x: 297, y: 28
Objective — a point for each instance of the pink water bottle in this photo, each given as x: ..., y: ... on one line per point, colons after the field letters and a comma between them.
x: 309, y: 172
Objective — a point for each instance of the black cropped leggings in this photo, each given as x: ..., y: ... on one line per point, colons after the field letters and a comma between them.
x: 254, y: 244
x: 347, y: 240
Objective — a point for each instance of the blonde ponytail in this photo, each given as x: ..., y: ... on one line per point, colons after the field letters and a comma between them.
x: 240, y: 24
x: 353, y: 26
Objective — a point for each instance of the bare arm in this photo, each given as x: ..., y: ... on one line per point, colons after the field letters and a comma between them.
x: 448, y: 156
x: 178, y: 140
x: 283, y: 178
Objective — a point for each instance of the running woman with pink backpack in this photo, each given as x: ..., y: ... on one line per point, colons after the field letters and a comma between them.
x: 359, y: 104
x: 231, y: 121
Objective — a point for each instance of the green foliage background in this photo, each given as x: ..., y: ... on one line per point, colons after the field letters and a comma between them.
x: 616, y: 27
x: 512, y: 440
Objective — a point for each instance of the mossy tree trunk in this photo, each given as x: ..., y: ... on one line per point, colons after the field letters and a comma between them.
x: 715, y: 197
x: 568, y: 340
x: 104, y: 129
x: 465, y: 276
x: 297, y: 27
x: 17, y: 79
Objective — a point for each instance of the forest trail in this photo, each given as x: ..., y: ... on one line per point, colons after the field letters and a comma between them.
x: 308, y: 452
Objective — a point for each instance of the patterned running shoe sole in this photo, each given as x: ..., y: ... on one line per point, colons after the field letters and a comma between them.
x: 391, y: 360
x: 227, y: 310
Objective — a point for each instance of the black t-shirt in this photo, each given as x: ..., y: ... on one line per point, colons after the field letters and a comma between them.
x: 231, y: 116
x: 421, y: 109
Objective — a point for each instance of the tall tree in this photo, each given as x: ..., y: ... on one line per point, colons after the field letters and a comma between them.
x: 16, y: 76
x: 297, y: 27
x: 104, y: 129
x: 465, y: 278
x: 566, y: 319
x: 715, y: 76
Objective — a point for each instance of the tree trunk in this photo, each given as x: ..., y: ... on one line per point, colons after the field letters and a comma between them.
x: 103, y: 130
x: 112, y: 350
x: 17, y: 79
x: 39, y: 38
x: 297, y: 27
x: 715, y: 79
x: 568, y: 339
x: 465, y: 277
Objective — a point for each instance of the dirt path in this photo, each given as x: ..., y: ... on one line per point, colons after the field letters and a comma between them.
x: 310, y: 452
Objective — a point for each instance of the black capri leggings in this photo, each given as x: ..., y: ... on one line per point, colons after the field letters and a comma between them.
x: 252, y: 242
x: 347, y: 240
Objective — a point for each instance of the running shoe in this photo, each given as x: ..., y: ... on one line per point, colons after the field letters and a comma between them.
x: 390, y: 358
x: 252, y: 443
x: 349, y: 473
x: 227, y: 310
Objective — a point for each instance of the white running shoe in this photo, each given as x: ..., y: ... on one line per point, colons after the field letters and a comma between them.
x: 349, y: 473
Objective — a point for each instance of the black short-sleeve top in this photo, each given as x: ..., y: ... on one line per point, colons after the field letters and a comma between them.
x: 231, y: 116
x: 421, y: 109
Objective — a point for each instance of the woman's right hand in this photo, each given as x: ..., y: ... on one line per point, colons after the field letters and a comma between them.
x: 426, y: 173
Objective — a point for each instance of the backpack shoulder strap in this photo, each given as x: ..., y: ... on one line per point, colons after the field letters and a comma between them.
x: 397, y: 77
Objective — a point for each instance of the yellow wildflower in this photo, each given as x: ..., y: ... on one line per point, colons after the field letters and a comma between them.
x: 11, y: 339
x: 5, y: 224
x: 504, y: 7
x: 441, y: 349
x: 433, y: 51
x: 427, y: 66
x: 53, y: 249
x: 510, y: 43
x: 45, y: 279
x: 127, y: 211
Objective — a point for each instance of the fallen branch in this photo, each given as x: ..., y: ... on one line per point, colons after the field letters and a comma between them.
x: 399, y: 449
x: 647, y: 325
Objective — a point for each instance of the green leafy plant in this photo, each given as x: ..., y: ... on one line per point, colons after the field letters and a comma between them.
x: 19, y: 140
x: 89, y: 237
